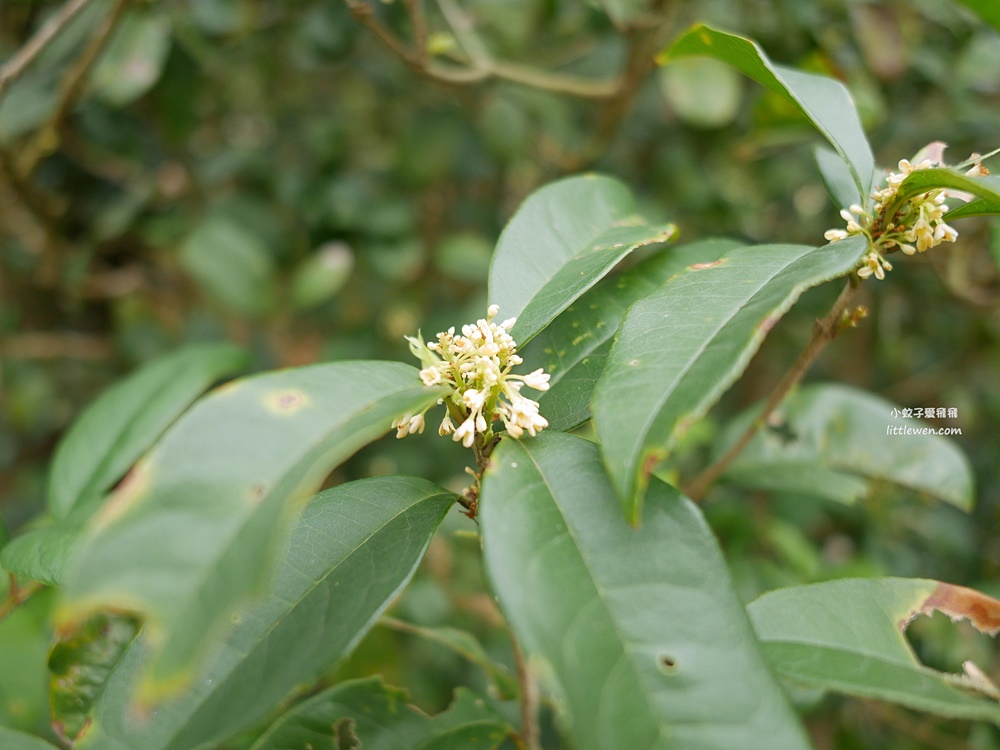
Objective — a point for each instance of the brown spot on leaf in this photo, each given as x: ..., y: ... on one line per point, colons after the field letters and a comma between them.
x: 703, y: 266
x: 961, y: 603
x: 129, y: 491
x: 285, y: 402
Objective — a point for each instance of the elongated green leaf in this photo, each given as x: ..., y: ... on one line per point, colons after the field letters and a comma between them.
x: 24, y: 645
x: 987, y: 189
x: 134, y: 58
x: 11, y: 739
x: 831, y: 441
x: 679, y: 349
x: 823, y: 101
x: 353, y: 550
x: 190, y: 534
x: 977, y: 207
x: 637, y: 633
x: 468, y: 647
x: 124, y: 422
x: 847, y: 636
x: 101, y: 445
x: 574, y: 348
x: 563, y: 240
x: 375, y: 716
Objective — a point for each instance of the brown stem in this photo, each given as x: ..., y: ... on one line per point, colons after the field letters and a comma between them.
x: 17, y: 595
x: 824, y: 331
x: 72, y: 86
x: 415, y: 8
x: 16, y: 65
x: 528, y: 699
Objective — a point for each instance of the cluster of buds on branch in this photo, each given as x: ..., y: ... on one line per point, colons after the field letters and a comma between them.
x: 476, y: 366
x: 911, y: 226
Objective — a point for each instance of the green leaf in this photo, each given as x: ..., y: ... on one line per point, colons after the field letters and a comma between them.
x: 623, y: 12
x: 132, y: 62
x: 368, y: 714
x: 988, y: 10
x: 468, y: 647
x: 847, y: 636
x: 563, y: 239
x: 319, y: 277
x: 353, y: 550
x: 11, y: 739
x: 24, y: 644
x: 987, y: 189
x: 80, y: 664
x: 44, y: 551
x: 823, y: 101
x: 574, y: 348
x: 232, y: 265
x: 679, y: 349
x: 637, y: 633
x: 121, y: 425
x: 837, y: 177
x: 832, y: 441
x: 189, y: 535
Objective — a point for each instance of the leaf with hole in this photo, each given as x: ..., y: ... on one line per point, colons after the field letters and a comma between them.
x: 637, y: 634
x: 848, y: 636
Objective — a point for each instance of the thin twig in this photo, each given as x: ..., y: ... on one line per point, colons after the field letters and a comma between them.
x: 415, y: 8
x: 824, y: 331
x: 479, y: 71
x: 528, y: 699
x: 47, y: 345
x: 16, y: 65
x: 72, y: 86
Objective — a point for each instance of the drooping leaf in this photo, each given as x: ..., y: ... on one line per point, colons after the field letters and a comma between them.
x: 563, y: 239
x: 574, y: 348
x: 832, y: 441
x: 825, y: 102
x: 986, y: 189
x: 678, y: 349
x: 637, y: 633
x: 190, y: 533
x: 354, y: 549
x: 121, y: 425
x: 468, y: 647
x: 848, y: 636
x: 134, y: 58
x: 80, y: 664
x: 11, y: 739
x: 378, y: 717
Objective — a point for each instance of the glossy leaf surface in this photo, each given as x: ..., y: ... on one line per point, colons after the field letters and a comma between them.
x: 678, y: 349
x: 563, y: 239
x: 574, y: 348
x: 368, y: 714
x: 848, y: 636
x: 832, y: 441
x: 825, y: 102
x: 353, y: 550
x: 192, y: 531
x: 126, y: 420
x: 637, y: 633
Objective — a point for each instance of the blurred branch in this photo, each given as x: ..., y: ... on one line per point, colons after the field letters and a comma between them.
x: 72, y: 86
x: 17, y: 64
x: 481, y: 66
x: 42, y: 345
x: 530, y: 734
x: 824, y: 331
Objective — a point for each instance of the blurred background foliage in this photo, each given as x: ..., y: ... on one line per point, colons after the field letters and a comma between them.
x: 314, y: 179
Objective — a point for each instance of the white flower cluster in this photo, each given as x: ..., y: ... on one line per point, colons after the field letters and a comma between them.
x: 915, y: 226
x: 476, y: 366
